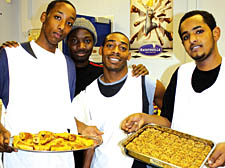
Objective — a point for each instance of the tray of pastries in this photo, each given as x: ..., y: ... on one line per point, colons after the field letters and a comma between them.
x: 46, y: 141
x: 164, y: 147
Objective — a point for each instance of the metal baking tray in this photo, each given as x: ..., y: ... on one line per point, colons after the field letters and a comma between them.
x: 156, y: 161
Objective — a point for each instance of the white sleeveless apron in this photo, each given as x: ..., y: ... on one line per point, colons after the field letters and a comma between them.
x: 200, y: 114
x: 39, y: 99
x: 107, y: 114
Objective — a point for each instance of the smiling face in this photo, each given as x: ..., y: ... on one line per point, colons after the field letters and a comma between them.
x: 56, y: 25
x: 197, y: 38
x: 80, y: 43
x: 115, y: 52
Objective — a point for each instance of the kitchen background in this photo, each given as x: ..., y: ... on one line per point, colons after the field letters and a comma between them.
x: 18, y: 18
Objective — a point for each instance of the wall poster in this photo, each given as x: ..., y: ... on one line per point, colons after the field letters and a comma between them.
x: 151, y: 23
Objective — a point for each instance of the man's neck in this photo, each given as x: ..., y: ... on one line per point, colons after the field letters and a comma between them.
x: 81, y: 64
x: 42, y: 42
x: 113, y: 76
x: 212, y: 62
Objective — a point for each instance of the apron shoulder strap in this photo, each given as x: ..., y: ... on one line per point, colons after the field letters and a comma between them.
x: 145, y: 105
x: 28, y: 48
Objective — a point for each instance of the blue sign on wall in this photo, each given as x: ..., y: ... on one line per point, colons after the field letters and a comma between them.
x: 150, y: 49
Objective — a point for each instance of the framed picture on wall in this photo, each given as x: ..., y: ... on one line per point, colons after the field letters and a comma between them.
x: 151, y: 22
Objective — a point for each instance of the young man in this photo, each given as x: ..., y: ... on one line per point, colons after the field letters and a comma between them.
x: 80, y: 42
x: 195, y: 86
x: 191, y: 102
x: 37, y: 86
x: 111, y: 98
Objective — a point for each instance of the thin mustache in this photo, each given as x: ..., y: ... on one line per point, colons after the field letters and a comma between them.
x: 81, y: 51
x: 193, y: 45
x: 114, y: 56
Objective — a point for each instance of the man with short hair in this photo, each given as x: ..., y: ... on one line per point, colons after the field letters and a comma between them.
x: 37, y: 84
x: 111, y: 98
x: 191, y: 103
x: 80, y: 42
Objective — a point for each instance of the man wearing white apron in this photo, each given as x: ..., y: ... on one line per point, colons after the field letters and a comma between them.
x: 111, y: 98
x: 37, y: 86
x: 192, y: 101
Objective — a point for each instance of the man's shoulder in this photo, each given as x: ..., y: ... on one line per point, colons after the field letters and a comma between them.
x: 187, y: 65
x: 150, y: 77
x: 2, y: 53
x: 93, y: 83
x: 69, y: 60
x: 92, y: 88
x: 95, y: 68
x: 3, y: 59
x: 95, y: 65
x: 26, y: 46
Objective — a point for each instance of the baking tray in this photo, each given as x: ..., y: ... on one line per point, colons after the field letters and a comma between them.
x: 97, y: 142
x: 147, y: 157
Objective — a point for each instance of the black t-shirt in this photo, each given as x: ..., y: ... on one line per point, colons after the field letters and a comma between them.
x: 86, y: 75
x: 110, y: 89
x: 201, y: 80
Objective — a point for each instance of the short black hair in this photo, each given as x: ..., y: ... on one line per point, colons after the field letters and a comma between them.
x: 104, y: 41
x: 207, y: 18
x: 53, y: 3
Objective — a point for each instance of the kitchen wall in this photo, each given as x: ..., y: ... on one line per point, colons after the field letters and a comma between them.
x: 216, y: 7
x: 19, y: 16
x: 9, y: 21
x: 22, y: 15
x: 29, y: 11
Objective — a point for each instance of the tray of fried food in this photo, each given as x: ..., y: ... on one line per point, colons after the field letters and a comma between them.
x: 164, y: 147
x: 46, y: 141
